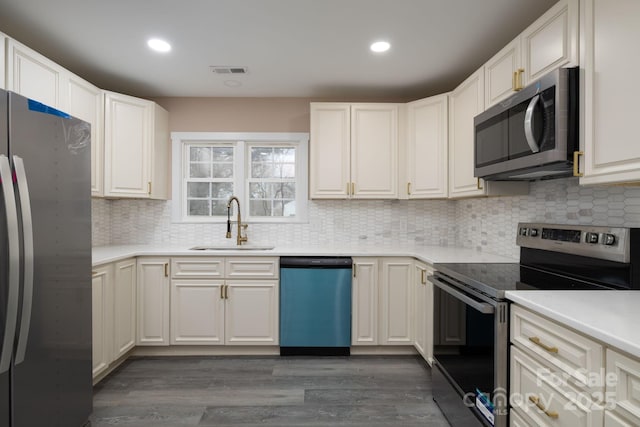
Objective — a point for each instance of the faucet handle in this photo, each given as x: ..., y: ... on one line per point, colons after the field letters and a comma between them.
x: 244, y: 226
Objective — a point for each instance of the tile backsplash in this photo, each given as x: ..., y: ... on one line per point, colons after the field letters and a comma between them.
x: 487, y: 224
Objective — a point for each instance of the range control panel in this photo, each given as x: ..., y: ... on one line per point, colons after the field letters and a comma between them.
x: 610, y: 243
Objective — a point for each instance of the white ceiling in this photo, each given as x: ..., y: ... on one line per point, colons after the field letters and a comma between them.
x: 292, y: 48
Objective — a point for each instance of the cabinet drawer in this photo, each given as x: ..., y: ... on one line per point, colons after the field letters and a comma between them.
x: 542, y: 403
x: 197, y: 268
x: 252, y: 268
x: 614, y: 420
x: 623, y: 386
x: 568, y: 351
x: 517, y: 419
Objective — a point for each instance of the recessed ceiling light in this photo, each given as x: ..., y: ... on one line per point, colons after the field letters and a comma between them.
x: 159, y: 45
x: 380, y: 46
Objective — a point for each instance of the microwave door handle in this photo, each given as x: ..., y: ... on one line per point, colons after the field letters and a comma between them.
x: 482, y: 307
x: 528, y: 125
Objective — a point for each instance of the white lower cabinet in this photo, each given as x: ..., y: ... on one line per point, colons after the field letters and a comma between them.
x: 102, y: 318
x: 197, y: 312
x: 243, y: 310
x: 113, y: 289
x: 557, y: 375
x: 3, y: 42
x: 364, y: 290
x: 423, y: 311
x: 124, y: 291
x: 623, y: 390
x: 153, y: 301
x: 396, y: 302
x: 252, y: 312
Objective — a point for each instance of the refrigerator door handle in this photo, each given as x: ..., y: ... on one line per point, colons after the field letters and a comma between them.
x: 27, y: 236
x: 14, y: 263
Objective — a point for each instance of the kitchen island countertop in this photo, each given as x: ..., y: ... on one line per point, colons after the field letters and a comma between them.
x: 428, y: 254
x: 608, y: 316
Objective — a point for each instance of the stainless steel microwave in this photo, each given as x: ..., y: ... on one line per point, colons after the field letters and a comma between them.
x: 531, y: 135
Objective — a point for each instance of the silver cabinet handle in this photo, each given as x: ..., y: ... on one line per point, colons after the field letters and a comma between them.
x: 14, y: 263
x: 482, y: 307
x: 528, y: 125
x: 27, y: 236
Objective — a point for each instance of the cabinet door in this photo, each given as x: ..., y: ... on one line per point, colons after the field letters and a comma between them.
x: 124, y: 287
x: 3, y: 76
x: 329, y: 151
x: 252, y: 312
x: 501, y: 74
x: 160, y: 155
x: 465, y: 102
x: 551, y: 41
x: 612, y: 419
x: 85, y: 101
x: 127, y: 140
x: 197, y: 312
x: 374, y: 151
x: 423, y: 310
x: 34, y: 76
x: 102, y: 318
x: 396, y: 302
x: 153, y: 301
x: 611, y: 151
x: 364, y: 288
x: 427, y: 148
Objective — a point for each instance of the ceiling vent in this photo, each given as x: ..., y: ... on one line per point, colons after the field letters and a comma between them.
x: 219, y: 69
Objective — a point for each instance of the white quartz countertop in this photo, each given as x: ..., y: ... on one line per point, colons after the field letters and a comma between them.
x: 612, y: 317
x: 428, y: 254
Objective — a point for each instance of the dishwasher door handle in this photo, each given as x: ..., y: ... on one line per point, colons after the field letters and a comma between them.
x: 482, y: 307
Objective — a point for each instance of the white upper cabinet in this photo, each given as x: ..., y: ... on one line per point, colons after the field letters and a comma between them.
x: 3, y: 44
x: 354, y: 151
x: 465, y: 102
x: 426, y: 149
x: 549, y: 43
x: 137, y: 148
x: 85, y: 101
x: 502, y: 74
x: 610, y: 107
x: 374, y: 151
x: 34, y: 76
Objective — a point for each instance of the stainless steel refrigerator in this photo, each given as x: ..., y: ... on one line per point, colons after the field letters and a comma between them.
x: 45, y: 266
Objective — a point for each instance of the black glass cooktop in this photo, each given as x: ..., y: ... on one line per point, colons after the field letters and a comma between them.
x: 493, y: 279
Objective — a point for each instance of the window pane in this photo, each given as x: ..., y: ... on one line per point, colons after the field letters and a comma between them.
x: 222, y: 190
x: 198, y: 207
x: 261, y: 154
x: 260, y: 207
x: 223, y: 154
x: 284, y: 155
x: 218, y: 207
x: 200, y: 154
x: 289, y: 208
x: 222, y: 170
x: 261, y: 170
x: 198, y: 189
x: 271, y: 190
x: 285, y: 170
x: 200, y: 170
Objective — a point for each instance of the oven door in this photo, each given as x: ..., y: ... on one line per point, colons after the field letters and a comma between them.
x: 470, y: 375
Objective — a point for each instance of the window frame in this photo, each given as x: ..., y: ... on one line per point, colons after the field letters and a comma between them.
x: 242, y: 143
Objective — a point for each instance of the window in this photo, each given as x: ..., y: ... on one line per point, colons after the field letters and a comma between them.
x: 267, y: 172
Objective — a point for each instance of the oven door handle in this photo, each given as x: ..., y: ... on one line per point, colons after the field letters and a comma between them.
x: 482, y: 307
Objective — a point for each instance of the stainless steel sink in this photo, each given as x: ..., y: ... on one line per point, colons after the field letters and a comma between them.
x: 232, y: 248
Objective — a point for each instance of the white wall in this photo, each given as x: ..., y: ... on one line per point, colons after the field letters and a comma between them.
x: 483, y: 224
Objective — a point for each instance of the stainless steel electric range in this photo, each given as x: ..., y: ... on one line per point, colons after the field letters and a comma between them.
x: 471, y: 320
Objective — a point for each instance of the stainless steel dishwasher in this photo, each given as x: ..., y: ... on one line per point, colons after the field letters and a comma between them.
x: 315, y: 306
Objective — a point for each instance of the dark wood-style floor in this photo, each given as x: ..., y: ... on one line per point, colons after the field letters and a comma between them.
x: 268, y: 391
